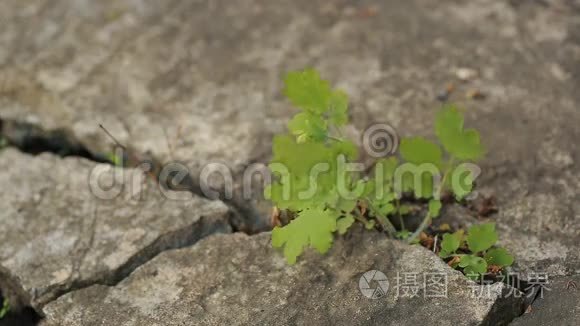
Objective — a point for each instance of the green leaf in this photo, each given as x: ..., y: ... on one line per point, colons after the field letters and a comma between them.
x: 307, y: 172
x: 344, y: 223
x: 306, y: 90
x: 381, y: 208
x: 418, y: 150
x: 370, y: 225
x: 460, y: 143
x: 5, y: 308
x: 450, y: 243
x: 308, y: 127
x: 386, y: 168
x: 379, y: 189
x: 403, y: 234
x: 114, y: 159
x: 464, y: 182
x: 425, y: 159
x: 434, y: 208
x: 473, y: 265
x: 338, y: 106
x: 466, y: 260
x: 346, y: 205
x: 424, y: 188
x: 481, y: 237
x: 499, y: 257
x: 404, y: 209
x: 312, y: 227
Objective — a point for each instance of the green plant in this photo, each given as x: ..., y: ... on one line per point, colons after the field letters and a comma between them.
x: 461, y: 146
x: 314, y: 141
x: 115, y: 159
x: 309, y: 166
x: 5, y: 308
x: 477, y: 250
x: 3, y: 142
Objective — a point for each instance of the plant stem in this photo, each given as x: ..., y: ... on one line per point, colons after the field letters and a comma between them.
x: 334, y: 138
x: 383, y: 221
x: 424, y: 224
x: 398, y: 206
x: 387, y: 225
x: 358, y: 216
x: 445, y: 176
x: 437, y: 194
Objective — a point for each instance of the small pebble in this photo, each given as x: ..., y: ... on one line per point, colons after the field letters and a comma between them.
x: 466, y: 74
x: 442, y: 96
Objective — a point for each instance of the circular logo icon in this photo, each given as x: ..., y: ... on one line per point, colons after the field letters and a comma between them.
x: 373, y: 284
x: 380, y: 140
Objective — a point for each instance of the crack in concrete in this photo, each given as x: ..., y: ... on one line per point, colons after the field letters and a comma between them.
x: 83, y: 251
x: 189, y: 235
x: 36, y: 140
x: 182, y: 238
x: 33, y: 139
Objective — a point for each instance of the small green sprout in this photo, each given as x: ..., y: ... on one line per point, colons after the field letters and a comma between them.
x: 478, y: 251
x: 5, y: 308
x: 115, y: 159
x: 3, y: 142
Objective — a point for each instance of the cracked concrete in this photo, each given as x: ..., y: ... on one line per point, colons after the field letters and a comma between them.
x: 199, y: 82
x: 559, y: 301
x: 57, y: 235
x: 258, y: 287
x: 33, y: 139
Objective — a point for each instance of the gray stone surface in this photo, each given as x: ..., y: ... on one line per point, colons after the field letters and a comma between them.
x: 241, y: 280
x: 147, y: 71
x: 559, y: 305
x: 205, y: 76
x: 56, y: 235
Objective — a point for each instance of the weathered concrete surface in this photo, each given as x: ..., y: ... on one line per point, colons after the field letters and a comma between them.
x: 57, y: 235
x: 207, y: 74
x: 205, y: 77
x: 241, y: 280
x: 560, y: 304
x: 147, y: 71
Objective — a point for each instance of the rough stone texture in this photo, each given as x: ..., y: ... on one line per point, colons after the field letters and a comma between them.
x: 241, y: 280
x: 560, y: 304
x: 152, y: 73
x: 207, y: 76
x: 57, y: 235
